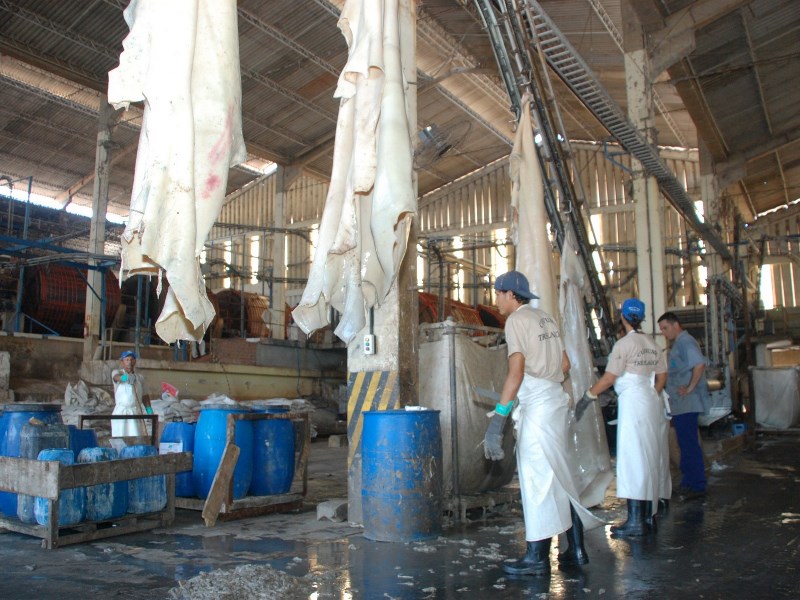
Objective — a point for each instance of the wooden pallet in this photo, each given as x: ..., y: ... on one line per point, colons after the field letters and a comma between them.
x: 249, y: 506
x: 220, y: 504
x: 48, y: 479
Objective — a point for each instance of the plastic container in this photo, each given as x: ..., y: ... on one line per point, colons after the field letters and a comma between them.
x: 183, y: 434
x: 145, y: 494
x: 273, y: 454
x: 71, y: 505
x: 401, y: 492
x: 81, y: 438
x: 14, y: 416
x: 34, y: 438
x: 209, y: 444
x: 104, y: 501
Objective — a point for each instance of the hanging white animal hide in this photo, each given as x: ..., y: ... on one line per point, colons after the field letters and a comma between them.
x: 529, y: 218
x: 181, y: 58
x: 372, y: 195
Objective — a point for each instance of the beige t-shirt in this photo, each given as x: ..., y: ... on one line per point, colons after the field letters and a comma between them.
x: 535, y: 334
x: 638, y: 354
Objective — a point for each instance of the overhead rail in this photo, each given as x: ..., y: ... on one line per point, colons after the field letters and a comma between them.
x: 576, y: 74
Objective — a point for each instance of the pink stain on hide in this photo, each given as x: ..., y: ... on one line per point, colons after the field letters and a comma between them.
x: 220, y: 151
x: 212, y: 182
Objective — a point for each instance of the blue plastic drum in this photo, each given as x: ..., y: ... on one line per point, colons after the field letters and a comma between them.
x: 71, y: 506
x: 273, y: 454
x: 181, y: 433
x: 33, y: 438
x: 104, y: 501
x: 209, y: 444
x: 146, y: 494
x: 13, y: 418
x: 401, y: 475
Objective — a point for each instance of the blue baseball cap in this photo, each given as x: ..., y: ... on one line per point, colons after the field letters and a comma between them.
x: 633, y: 307
x: 516, y: 282
x: 127, y: 353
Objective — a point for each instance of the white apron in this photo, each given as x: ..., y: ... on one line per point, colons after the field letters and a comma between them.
x: 125, y: 404
x: 545, y: 478
x: 639, y: 439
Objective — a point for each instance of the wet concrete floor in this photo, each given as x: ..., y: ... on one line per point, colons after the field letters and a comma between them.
x: 741, y: 541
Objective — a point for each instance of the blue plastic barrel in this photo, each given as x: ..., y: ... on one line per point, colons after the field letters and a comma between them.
x: 273, y: 454
x: 81, y: 438
x: 13, y: 418
x: 33, y: 438
x: 209, y: 444
x: 182, y: 433
x: 401, y: 475
x: 145, y: 494
x: 106, y: 500
x: 71, y: 505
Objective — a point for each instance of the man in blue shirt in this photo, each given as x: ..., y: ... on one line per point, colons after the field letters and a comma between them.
x: 688, y: 398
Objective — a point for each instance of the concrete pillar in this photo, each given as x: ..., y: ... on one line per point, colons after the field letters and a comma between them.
x: 278, y: 300
x: 97, y: 232
x: 387, y: 379
x: 649, y: 208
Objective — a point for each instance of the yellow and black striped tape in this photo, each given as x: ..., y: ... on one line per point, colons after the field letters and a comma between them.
x: 368, y: 390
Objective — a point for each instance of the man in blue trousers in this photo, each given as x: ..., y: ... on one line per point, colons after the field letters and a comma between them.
x: 688, y: 398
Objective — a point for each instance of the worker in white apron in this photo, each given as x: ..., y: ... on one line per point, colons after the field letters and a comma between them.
x: 637, y: 369
x: 537, y: 365
x: 129, y: 398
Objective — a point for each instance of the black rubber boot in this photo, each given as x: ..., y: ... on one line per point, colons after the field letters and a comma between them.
x: 635, y: 526
x: 649, y: 516
x: 535, y: 562
x: 663, y: 507
x: 575, y: 554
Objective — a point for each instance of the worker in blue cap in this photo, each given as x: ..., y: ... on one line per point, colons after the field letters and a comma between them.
x: 537, y: 365
x: 129, y: 398
x: 637, y: 369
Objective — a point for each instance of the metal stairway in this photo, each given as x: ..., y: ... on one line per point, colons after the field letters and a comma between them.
x: 561, y: 201
x: 575, y: 73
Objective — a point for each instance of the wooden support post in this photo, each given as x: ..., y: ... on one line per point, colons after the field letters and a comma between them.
x: 221, y: 485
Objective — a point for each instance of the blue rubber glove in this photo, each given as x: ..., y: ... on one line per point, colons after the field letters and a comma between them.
x: 493, y: 439
x: 124, y: 378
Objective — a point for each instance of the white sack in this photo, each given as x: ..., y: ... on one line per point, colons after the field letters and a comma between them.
x: 182, y: 59
x: 777, y: 396
x: 476, y: 366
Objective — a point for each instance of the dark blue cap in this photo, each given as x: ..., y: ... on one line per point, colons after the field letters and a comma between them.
x: 516, y: 282
x: 127, y: 353
x: 633, y: 307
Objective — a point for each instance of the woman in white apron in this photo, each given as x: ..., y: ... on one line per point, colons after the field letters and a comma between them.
x: 637, y: 369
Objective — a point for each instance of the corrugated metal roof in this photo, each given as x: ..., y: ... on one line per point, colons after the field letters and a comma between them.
x: 736, y: 88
